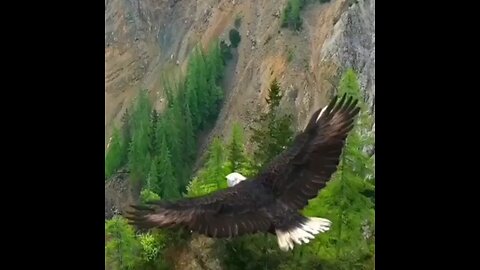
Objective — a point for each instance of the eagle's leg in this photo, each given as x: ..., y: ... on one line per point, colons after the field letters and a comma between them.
x: 298, y: 229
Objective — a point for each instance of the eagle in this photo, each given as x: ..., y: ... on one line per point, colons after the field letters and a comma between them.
x: 272, y: 200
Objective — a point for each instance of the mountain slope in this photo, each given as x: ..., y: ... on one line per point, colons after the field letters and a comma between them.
x: 145, y: 39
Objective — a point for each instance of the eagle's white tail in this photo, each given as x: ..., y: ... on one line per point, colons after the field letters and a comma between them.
x: 302, y: 233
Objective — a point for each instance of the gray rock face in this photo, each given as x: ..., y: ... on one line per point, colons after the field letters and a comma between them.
x: 119, y: 194
x: 353, y: 44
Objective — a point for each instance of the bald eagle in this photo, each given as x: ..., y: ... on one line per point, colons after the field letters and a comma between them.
x: 271, y: 201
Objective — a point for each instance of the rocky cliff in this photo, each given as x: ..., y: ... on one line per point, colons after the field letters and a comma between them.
x: 145, y: 39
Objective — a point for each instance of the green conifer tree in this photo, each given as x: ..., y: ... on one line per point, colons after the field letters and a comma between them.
x: 153, y: 180
x: 189, y: 136
x: 138, y: 156
x: 236, y: 156
x: 126, y: 128
x: 169, y: 185
x: 122, y: 249
x: 273, y: 130
x: 116, y: 154
x: 350, y: 242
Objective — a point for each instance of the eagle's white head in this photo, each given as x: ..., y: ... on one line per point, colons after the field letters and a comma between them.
x: 234, y: 178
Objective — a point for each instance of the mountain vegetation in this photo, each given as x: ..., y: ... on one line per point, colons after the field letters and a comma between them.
x: 159, y: 150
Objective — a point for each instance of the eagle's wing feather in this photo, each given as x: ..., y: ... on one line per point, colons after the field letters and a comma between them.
x: 301, y: 171
x: 294, y: 177
x: 226, y: 213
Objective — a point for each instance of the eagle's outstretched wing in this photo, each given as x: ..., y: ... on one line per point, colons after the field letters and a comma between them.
x: 226, y: 213
x: 292, y: 178
x: 298, y: 174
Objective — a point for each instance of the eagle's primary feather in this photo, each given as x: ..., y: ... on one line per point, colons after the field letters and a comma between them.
x: 272, y: 200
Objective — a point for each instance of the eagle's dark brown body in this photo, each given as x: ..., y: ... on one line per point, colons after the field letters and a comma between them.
x: 271, y: 201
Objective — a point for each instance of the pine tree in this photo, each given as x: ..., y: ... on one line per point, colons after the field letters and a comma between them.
x: 274, y: 95
x: 174, y: 142
x: 147, y: 195
x: 215, y: 61
x: 142, y: 111
x: 212, y: 176
x: 152, y: 245
x: 272, y: 133
x: 273, y: 130
x: 168, y: 87
x: 280, y: 134
x: 188, y: 136
x: 180, y: 160
x: 126, y: 133
x: 216, y: 171
x: 203, y: 94
x: 116, y: 154
x: 291, y: 14
x: 350, y: 242
x: 211, y: 87
x: 214, y: 68
x: 192, y: 100
x: 169, y: 185
x: 138, y: 156
x: 153, y: 144
x: 153, y: 180
x: 122, y: 249
x: 236, y: 157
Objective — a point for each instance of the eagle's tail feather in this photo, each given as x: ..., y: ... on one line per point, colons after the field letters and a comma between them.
x: 302, y: 232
